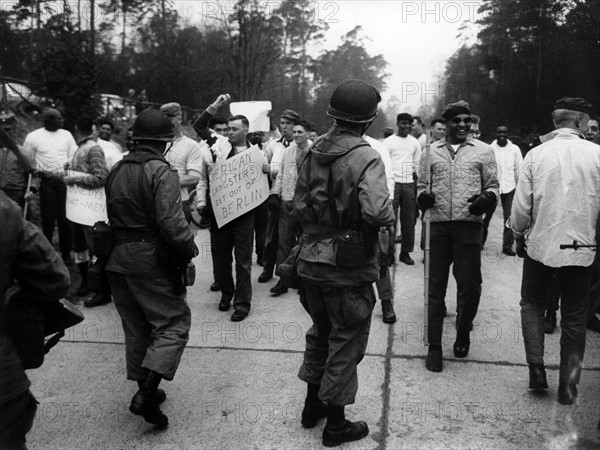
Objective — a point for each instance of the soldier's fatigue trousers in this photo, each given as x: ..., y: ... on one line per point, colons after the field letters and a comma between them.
x: 156, y: 320
x: 337, y: 341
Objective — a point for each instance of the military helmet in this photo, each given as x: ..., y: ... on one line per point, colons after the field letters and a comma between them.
x: 354, y: 101
x: 152, y: 125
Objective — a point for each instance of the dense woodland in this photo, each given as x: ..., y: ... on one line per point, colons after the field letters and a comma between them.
x: 527, y: 54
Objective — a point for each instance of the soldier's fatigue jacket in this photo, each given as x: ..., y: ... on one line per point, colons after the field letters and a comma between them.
x: 25, y: 255
x: 453, y: 181
x: 362, y: 203
x: 155, y: 206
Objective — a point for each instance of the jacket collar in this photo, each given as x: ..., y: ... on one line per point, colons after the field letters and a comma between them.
x: 563, y: 132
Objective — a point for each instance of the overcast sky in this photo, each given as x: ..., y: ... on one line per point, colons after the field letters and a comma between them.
x: 415, y: 37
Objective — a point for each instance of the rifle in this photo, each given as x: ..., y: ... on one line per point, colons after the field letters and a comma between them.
x: 575, y: 246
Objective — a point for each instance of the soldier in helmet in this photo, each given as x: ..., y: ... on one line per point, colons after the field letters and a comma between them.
x: 152, y: 241
x: 27, y: 257
x: 341, y: 201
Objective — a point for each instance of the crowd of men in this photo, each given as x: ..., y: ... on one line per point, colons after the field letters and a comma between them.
x: 331, y: 199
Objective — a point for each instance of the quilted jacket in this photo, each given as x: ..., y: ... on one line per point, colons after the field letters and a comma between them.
x: 472, y: 171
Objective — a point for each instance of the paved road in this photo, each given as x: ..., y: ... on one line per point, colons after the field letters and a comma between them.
x: 237, y: 385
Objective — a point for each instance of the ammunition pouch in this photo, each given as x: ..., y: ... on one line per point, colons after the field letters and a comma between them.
x: 353, y: 249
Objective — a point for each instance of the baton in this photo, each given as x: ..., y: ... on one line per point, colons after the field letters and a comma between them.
x: 27, y: 199
x: 427, y: 222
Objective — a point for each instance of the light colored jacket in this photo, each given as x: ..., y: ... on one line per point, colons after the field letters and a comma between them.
x: 472, y: 171
x: 557, y: 199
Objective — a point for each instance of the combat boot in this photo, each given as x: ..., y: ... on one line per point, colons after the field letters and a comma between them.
x: 387, y: 308
x: 339, y: 430
x: 145, y: 402
x: 161, y: 395
x: 314, y: 409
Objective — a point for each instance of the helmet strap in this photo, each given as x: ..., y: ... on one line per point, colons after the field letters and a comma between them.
x: 367, y: 126
x: 167, y: 148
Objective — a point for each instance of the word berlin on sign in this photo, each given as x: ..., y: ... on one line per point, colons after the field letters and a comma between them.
x: 238, y: 185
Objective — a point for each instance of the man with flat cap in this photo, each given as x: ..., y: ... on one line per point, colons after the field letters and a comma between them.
x: 557, y: 201
x: 464, y: 185
x: 50, y: 148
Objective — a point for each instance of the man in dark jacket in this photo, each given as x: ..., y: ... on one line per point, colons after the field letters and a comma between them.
x: 341, y: 197
x: 153, y: 242
x: 25, y: 256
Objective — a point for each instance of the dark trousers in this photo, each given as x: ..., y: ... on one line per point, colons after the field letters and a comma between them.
x: 507, y: 237
x: 595, y: 290
x: 553, y: 294
x: 237, y: 237
x: 156, y: 321
x: 83, y: 247
x: 337, y: 341
x: 271, y: 242
x: 17, y: 418
x: 53, y: 199
x: 261, y: 217
x: 405, y: 200
x: 288, y: 232
x: 212, y: 230
x: 458, y: 244
x: 574, y: 288
x: 385, y: 291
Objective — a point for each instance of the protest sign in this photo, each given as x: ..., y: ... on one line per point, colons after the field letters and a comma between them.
x: 86, y: 206
x: 255, y: 112
x: 238, y: 185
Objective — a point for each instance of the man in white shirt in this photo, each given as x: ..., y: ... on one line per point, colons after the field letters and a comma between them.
x: 105, y: 130
x: 556, y: 202
x: 509, y: 161
x: 50, y: 148
x: 186, y: 156
x: 385, y: 290
x: 405, y: 153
